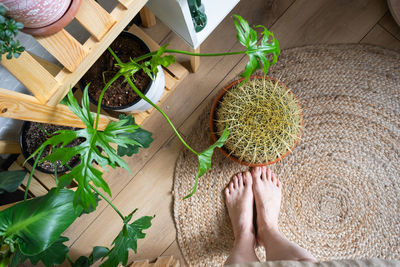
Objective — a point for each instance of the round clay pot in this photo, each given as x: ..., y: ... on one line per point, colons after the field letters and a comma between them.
x: 153, y: 91
x: 23, y: 144
x: 42, y: 17
x: 215, y: 137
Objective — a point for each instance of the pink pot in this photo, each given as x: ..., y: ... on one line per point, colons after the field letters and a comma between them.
x: 42, y: 17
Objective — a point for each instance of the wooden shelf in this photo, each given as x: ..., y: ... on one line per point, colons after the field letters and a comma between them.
x: 49, y: 84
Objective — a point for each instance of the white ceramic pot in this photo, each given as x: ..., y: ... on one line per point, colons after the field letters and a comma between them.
x: 154, y: 94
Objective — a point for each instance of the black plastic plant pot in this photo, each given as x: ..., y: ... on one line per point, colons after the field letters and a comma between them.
x: 153, y: 90
x: 28, y: 146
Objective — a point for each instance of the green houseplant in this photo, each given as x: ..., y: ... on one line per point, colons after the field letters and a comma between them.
x: 34, y: 234
x: 9, y: 29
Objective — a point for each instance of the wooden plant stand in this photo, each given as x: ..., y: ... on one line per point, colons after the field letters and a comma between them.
x: 40, y: 184
x: 49, y: 84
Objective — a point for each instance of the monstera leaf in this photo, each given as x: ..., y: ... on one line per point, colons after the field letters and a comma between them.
x: 34, y: 225
x: 257, y: 53
x: 95, y: 148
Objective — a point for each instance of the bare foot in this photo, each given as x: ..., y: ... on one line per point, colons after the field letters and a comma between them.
x: 239, y: 202
x: 267, y: 190
x: 267, y: 194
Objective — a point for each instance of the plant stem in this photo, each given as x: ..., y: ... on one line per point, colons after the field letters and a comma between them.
x: 31, y: 174
x: 69, y: 259
x: 101, y: 97
x: 175, y: 51
x: 108, y: 201
x: 128, y: 79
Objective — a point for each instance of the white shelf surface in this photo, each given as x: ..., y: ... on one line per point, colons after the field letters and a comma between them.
x: 176, y: 15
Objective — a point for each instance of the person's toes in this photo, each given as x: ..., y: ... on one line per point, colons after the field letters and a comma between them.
x: 236, y: 181
x: 227, y: 192
x: 248, y: 179
x: 274, y: 179
x: 269, y: 175
x: 256, y: 172
x: 231, y: 186
x: 263, y: 173
x: 240, y: 181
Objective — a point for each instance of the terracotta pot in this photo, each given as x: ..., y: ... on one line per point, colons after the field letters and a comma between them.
x: 42, y: 17
x: 215, y: 137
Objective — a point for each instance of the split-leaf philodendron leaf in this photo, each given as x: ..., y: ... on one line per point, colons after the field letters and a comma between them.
x: 97, y: 253
x: 35, y: 224
x: 10, y: 180
x: 205, y: 159
x: 53, y: 255
x: 126, y: 240
x: 141, y: 137
x: 95, y: 148
x: 257, y: 53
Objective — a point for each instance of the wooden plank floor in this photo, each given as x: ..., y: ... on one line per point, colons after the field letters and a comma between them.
x: 295, y: 23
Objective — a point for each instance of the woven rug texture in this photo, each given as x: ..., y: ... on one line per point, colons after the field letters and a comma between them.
x: 341, y: 184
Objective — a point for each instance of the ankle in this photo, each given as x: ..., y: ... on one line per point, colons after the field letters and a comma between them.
x: 245, y: 237
x: 266, y: 234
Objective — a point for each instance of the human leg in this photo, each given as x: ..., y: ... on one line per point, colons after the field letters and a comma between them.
x: 267, y: 190
x: 239, y: 202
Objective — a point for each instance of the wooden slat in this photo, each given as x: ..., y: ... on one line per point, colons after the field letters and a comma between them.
x: 164, y: 261
x: 177, y: 69
x: 126, y: 3
x: 140, y: 264
x: 47, y: 180
x: 174, y: 250
x: 147, y: 17
x: 9, y: 147
x: 122, y: 16
x: 25, y: 107
x: 32, y: 75
x: 35, y: 187
x: 195, y: 61
x: 94, y: 18
x: 65, y: 48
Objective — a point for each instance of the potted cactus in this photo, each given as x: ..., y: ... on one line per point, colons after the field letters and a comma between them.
x: 264, y: 118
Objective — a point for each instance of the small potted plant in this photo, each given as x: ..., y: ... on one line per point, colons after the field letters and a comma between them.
x: 32, y: 229
x: 42, y: 17
x: 120, y: 96
x: 9, y: 29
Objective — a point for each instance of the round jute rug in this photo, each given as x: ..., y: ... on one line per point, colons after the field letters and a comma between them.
x: 341, y: 183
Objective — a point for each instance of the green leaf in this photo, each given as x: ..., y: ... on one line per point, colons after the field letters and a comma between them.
x: 96, y: 148
x: 205, y: 159
x: 34, y: 225
x: 158, y: 59
x: 10, y: 180
x: 257, y: 53
x: 97, y: 253
x: 126, y: 240
x: 53, y: 255
x: 141, y: 137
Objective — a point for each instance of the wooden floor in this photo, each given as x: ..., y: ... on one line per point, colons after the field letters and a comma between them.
x: 295, y: 23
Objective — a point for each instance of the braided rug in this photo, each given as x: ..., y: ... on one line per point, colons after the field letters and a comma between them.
x: 341, y: 184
